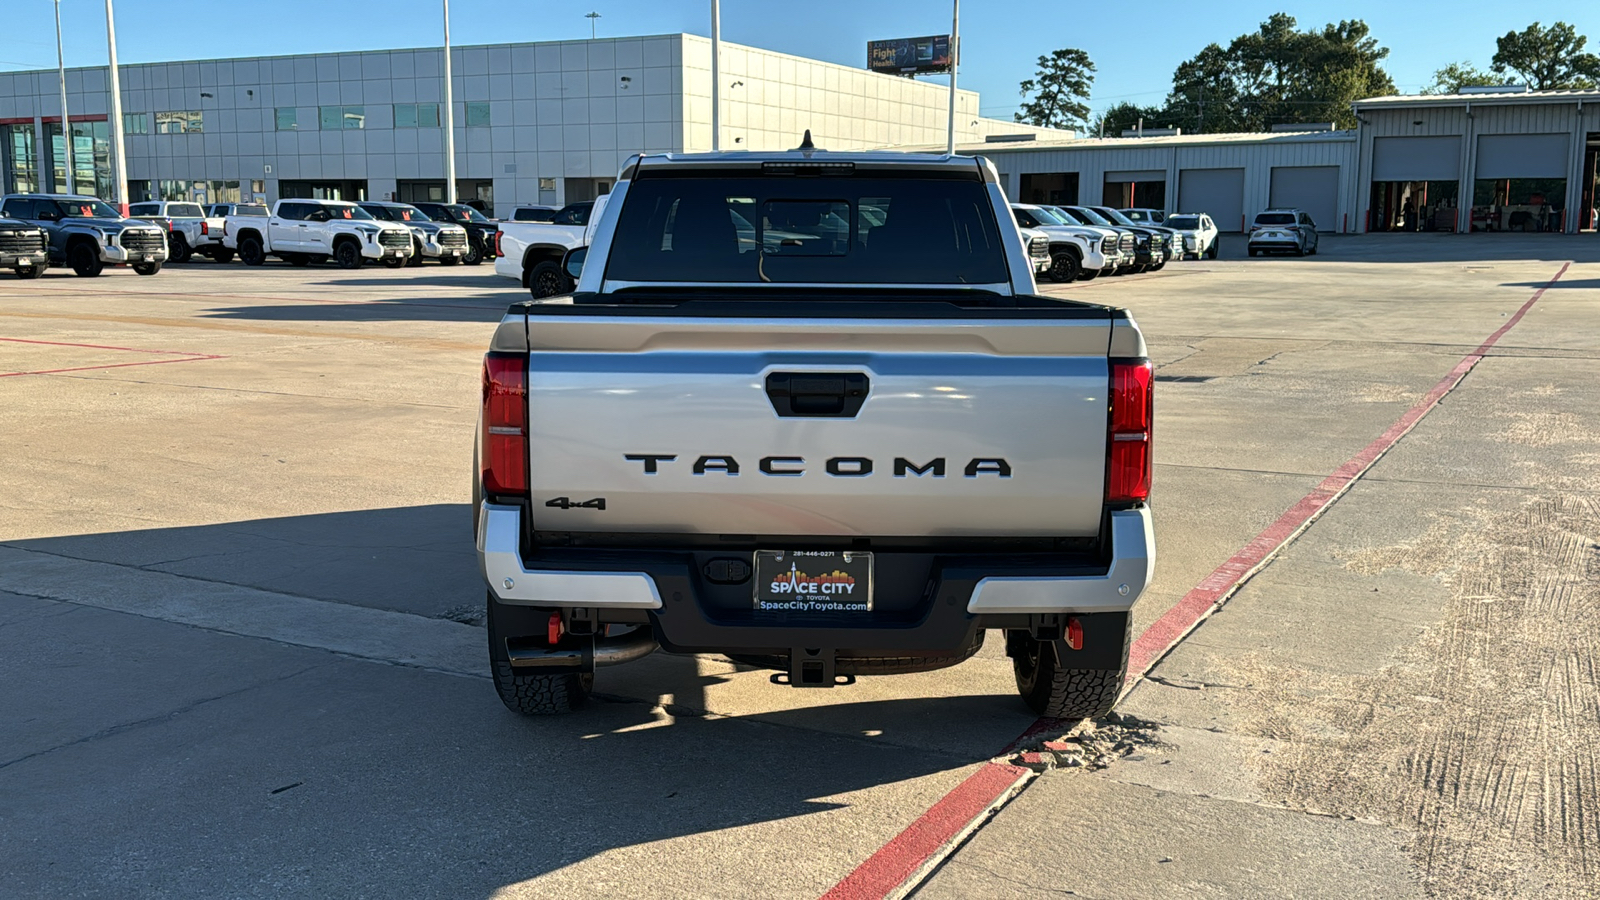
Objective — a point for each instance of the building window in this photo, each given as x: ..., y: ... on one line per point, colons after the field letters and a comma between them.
x: 334, y: 118
x: 547, y: 184
x: 184, y: 122
x: 91, y: 158
x: 288, y: 118
x: 416, y: 115
x: 23, y: 155
x: 136, y: 123
x: 139, y: 189
x: 477, y: 114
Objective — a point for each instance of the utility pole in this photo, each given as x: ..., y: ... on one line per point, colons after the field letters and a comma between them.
x: 449, y: 118
x: 955, y: 60
x: 716, y: 75
x: 120, y: 159
x: 66, y: 122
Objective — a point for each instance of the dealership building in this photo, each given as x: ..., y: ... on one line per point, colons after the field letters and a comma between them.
x: 551, y: 123
x: 540, y: 123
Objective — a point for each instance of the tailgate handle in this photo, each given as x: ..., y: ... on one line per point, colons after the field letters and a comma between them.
x: 835, y: 394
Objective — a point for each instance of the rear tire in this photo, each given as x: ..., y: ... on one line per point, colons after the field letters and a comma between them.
x: 348, y: 255
x: 530, y: 695
x: 30, y: 274
x: 1054, y: 692
x: 1064, y: 267
x: 178, y: 250
x: 547, y: 280
x: 147, y: 268
x: 251, y: 252
x: 84, y: 259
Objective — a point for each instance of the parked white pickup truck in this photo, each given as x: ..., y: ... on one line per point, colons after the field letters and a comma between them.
x: 808, y: 410
x: 188, y: 230
x: 531, y: 252
x: 301, y: 232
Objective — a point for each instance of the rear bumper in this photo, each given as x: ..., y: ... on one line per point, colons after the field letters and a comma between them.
x: 933, y: 603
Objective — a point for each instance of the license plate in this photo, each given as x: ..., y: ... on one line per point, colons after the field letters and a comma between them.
x: 149, y: 259
x: 455, y: 252
x: 813, y: 581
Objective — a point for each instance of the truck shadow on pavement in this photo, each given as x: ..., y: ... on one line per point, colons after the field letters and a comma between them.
x: 242, y: 765
x: 484, y: 308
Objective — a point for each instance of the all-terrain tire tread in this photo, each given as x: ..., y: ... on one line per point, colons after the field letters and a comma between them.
x: 1082, y: 693
x: 538, y: 695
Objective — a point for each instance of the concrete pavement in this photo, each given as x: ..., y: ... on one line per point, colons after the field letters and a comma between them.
x: 247, y: 569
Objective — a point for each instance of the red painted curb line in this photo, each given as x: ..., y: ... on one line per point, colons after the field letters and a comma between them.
x: 105, y: 347
x: 148, y: 362
x: 898, y: 866
x: 902, y: 863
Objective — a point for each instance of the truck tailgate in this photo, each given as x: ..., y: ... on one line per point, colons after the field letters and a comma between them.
x: 976, y: 427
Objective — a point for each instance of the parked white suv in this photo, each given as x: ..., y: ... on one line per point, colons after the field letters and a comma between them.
x: 1198, y: 233
x: 300, y: 232
x: 1283, y: 231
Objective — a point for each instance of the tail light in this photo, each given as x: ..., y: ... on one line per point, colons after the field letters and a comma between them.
x: 205, y: 227
x: 1128, y: 461
x: 169, y: 226
x: 498, y: 250
x: 504, y: 454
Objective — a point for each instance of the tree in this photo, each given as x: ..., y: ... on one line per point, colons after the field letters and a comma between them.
x: 1060, y: 90
x: 1279, y: 75
x: 1548, y: 59
x: 1126, y: 117
x: 1452, y: 78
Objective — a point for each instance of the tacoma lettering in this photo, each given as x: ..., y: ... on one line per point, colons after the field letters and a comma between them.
x: 838, y: 466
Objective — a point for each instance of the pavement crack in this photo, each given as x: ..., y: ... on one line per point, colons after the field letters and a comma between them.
x: 158, y: 718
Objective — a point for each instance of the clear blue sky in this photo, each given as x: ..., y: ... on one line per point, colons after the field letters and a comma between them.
x: 1135, y: 55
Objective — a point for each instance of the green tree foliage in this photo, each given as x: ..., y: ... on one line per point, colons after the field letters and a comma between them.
x: 1452, y: 78
x: 1278, y: 75
x: 1126, y: 117
x: 1060, y: 90
x: 1547, y: 58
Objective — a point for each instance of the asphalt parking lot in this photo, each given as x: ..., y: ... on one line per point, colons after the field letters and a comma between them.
x: 241, y: 652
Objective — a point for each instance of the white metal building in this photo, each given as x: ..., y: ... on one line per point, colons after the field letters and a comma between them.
x: 1229, y: 176
x: 535, y: 123
x: 1486, y: 161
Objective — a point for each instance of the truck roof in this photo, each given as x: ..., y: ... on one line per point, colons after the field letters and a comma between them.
x: 869, y: 159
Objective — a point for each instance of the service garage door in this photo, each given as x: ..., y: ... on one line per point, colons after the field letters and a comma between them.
x: 1314, y: 189
x: 1217, y: 192
x: 1416, y: 158
x: 1523, y: 155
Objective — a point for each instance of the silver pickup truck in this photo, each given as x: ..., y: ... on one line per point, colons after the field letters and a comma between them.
x: 806, y: 410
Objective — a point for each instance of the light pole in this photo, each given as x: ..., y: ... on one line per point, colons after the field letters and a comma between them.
x: 716, y: 75
x: 955, y: 60
x: 116, y: 115
x: 591, y: 16
x: 66, y: 122
x: 449, y: 118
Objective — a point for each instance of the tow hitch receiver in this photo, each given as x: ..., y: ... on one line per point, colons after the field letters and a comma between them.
x: 811, y: 668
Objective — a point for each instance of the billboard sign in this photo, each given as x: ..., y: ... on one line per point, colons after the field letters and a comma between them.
x: 909, y: 56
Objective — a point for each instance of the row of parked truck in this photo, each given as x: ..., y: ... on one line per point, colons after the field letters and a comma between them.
x: 88, y: 234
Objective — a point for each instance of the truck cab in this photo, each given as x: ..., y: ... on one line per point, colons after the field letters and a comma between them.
x: 808, y: 411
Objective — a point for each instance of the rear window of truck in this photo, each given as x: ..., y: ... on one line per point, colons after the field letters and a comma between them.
x: 858, y: 230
